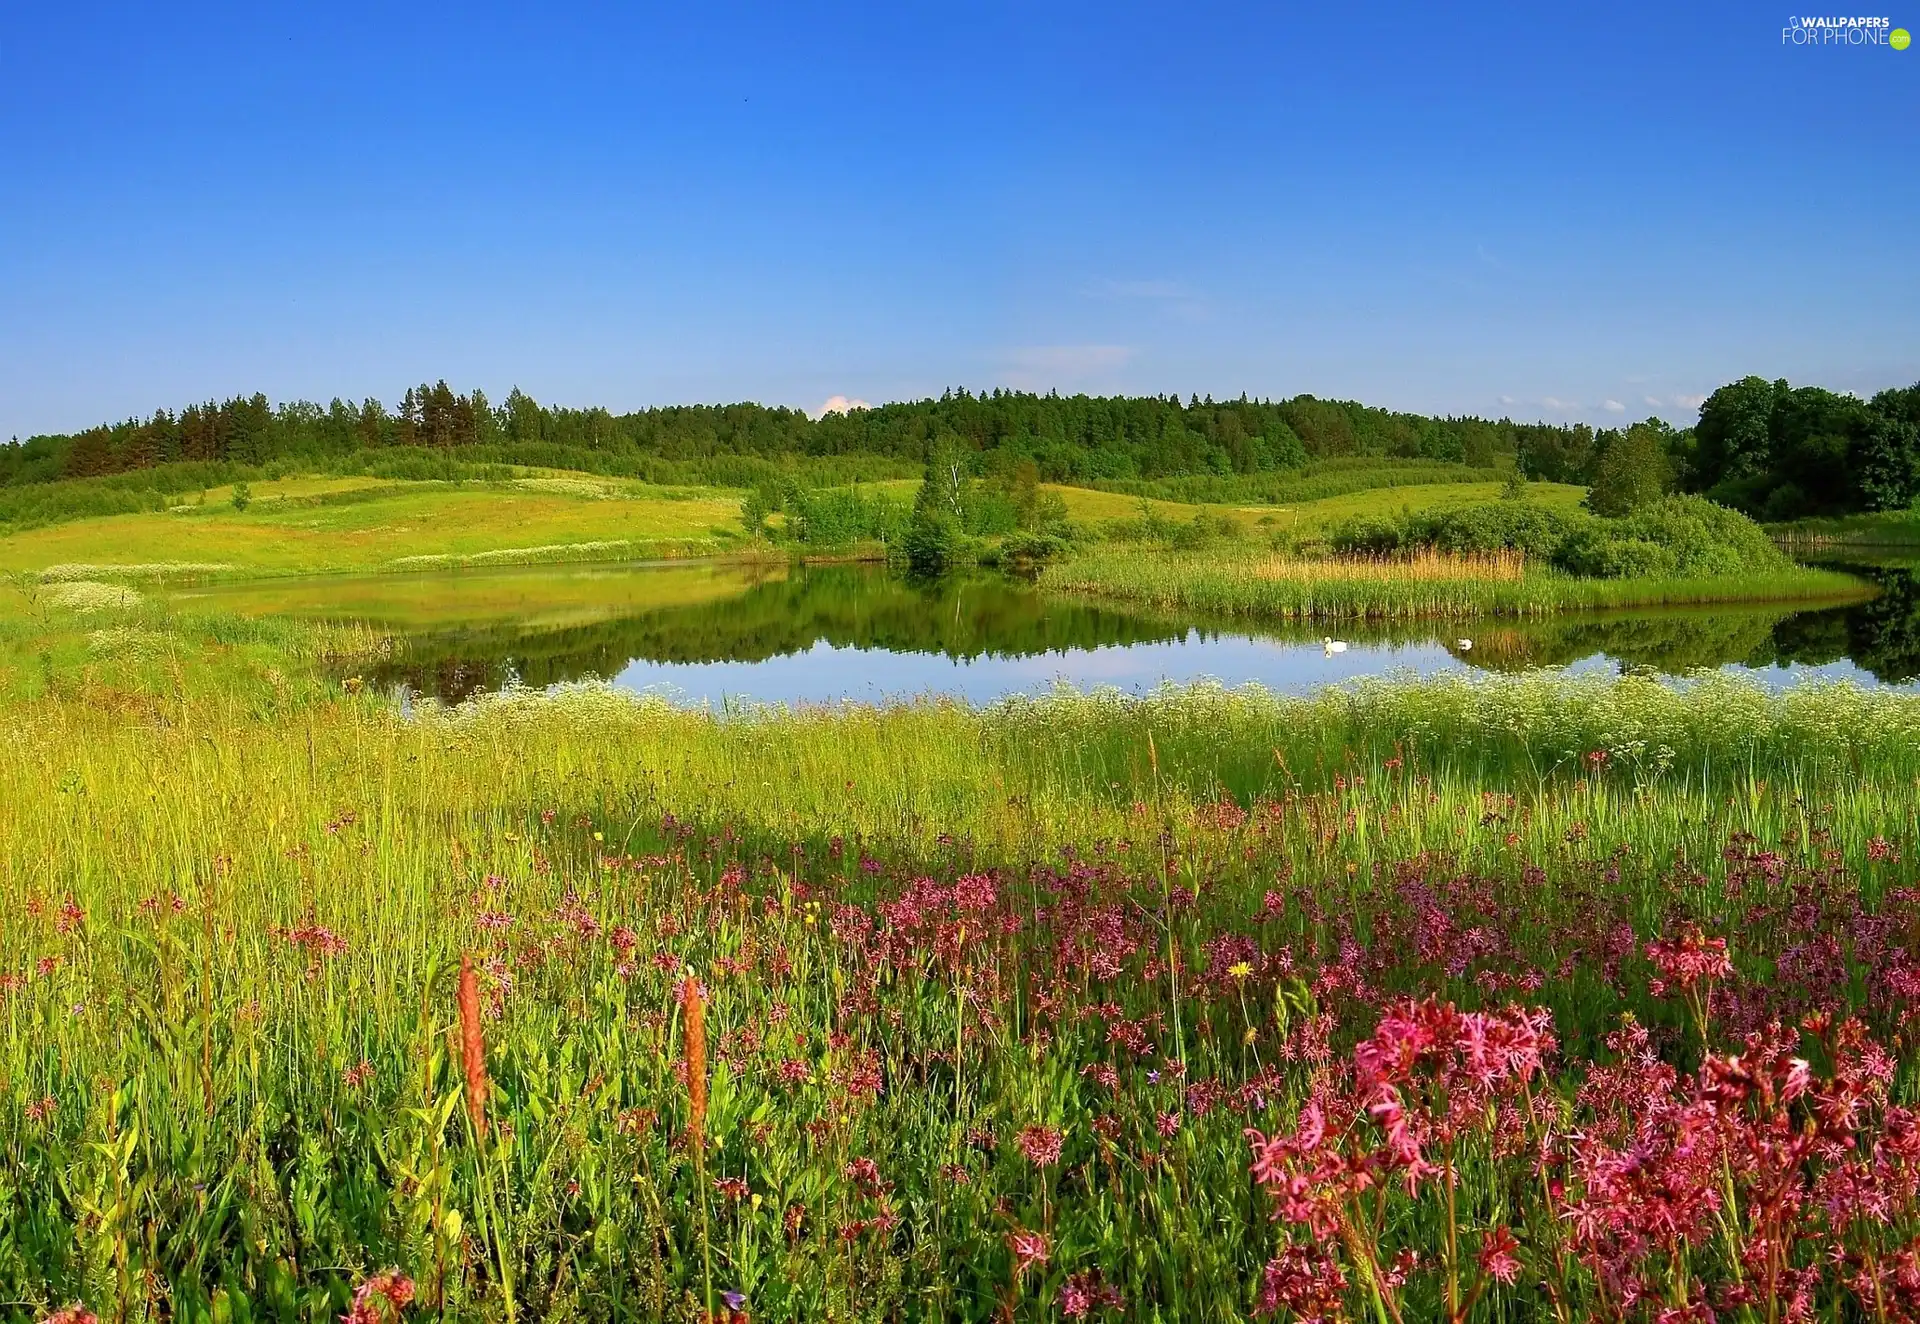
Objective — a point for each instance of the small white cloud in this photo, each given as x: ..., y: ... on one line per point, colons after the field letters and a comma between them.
x: 1613, y: 407
x: 1508, y: 400
x: 840, y: 404
x: 1549, y: 402
x: 1652, y: 400
x: 1689, y: 401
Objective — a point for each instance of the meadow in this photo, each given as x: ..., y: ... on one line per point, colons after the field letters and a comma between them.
x: 298, y: 524
x: 1263, y: 561
x: 1402, y: 1002
x: 1516, y: 999
x: 318, y: 525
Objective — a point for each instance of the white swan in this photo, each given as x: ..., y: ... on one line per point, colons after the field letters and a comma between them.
x: 1463, y: 644
x: 1335, y: 646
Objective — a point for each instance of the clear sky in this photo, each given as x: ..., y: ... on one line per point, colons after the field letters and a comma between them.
x: 1546, y: 210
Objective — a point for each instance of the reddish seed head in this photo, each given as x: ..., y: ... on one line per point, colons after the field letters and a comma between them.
x: 694, y: 1007
x: 473, y: 1047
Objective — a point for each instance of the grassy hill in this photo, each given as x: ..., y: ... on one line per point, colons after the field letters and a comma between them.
x: 329, y: 524
x: 304, y: 525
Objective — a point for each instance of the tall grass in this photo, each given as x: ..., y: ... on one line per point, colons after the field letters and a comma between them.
x: 1885, y: 528
x: 1339, y: 588
x: 1427, y: 565
x: 258, y: 973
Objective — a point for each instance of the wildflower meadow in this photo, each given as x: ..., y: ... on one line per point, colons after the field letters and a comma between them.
x: 1508, y: 1000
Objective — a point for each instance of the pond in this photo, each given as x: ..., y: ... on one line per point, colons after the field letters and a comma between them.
x: 716, y: 633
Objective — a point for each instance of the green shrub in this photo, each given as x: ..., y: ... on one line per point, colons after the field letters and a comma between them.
x: 1033, y: 548
x: 835, y: 517
x: 1538, y: 531
x: 1493, y: 526
x: 1205, y: 529
x: 1705, y: 539
x: 1370, y: 535
x: 1675, y: 535
x: 934, y: 542
x: 1598, y: 553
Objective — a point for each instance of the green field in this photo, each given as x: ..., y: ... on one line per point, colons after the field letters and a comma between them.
x: 331, y: 525
x: 578, y: 1006
x: 304, y: 526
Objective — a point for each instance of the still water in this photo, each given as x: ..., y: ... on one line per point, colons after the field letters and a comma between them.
x: 715, y: 634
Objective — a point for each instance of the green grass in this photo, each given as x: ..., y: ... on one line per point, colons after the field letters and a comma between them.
x: 542, y: 597
x: 330, y: 524
x: 230, y: 941
x: 234, y: 898
x: 1319, y: 479
x: 1232, y: 584
x: 1886, y: 528
x: 1312, y: 519
x: 1305, y: 519
x: 341, y: 525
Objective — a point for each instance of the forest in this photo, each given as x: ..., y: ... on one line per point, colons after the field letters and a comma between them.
x: 1070, y: 438
x: 1769, y: 449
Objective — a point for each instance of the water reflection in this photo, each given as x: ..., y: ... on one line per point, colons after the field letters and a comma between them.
x: 710, y: 632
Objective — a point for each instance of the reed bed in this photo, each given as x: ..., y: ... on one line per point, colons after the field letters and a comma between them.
x: 1433, y: 584
x: 1427, y: 565
x: 585, y: 1007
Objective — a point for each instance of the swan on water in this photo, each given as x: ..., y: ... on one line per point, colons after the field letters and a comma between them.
x: 1335, y: 646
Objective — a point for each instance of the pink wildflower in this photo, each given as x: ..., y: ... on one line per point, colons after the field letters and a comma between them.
x: 1029, y: 1249
x: 1041, y: 1145
x: 390, y: 1286
x: 1497, y: 1258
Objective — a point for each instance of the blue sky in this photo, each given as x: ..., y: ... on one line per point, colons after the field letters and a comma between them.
x: 1536, y: 211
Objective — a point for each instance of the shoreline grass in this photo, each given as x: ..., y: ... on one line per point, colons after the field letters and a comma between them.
x: 1890, y: 528
x: 1362, y: 588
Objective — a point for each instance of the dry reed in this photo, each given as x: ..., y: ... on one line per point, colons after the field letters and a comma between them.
x: 696, y: 1013
x: 1425, y: 566
x: 473, y: 1047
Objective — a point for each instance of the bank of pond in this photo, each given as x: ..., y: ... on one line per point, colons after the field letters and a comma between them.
x: 714, y: 633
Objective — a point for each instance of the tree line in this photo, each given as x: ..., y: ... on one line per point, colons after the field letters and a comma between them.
x: 1767, y: 448
x: 1067, y: 438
